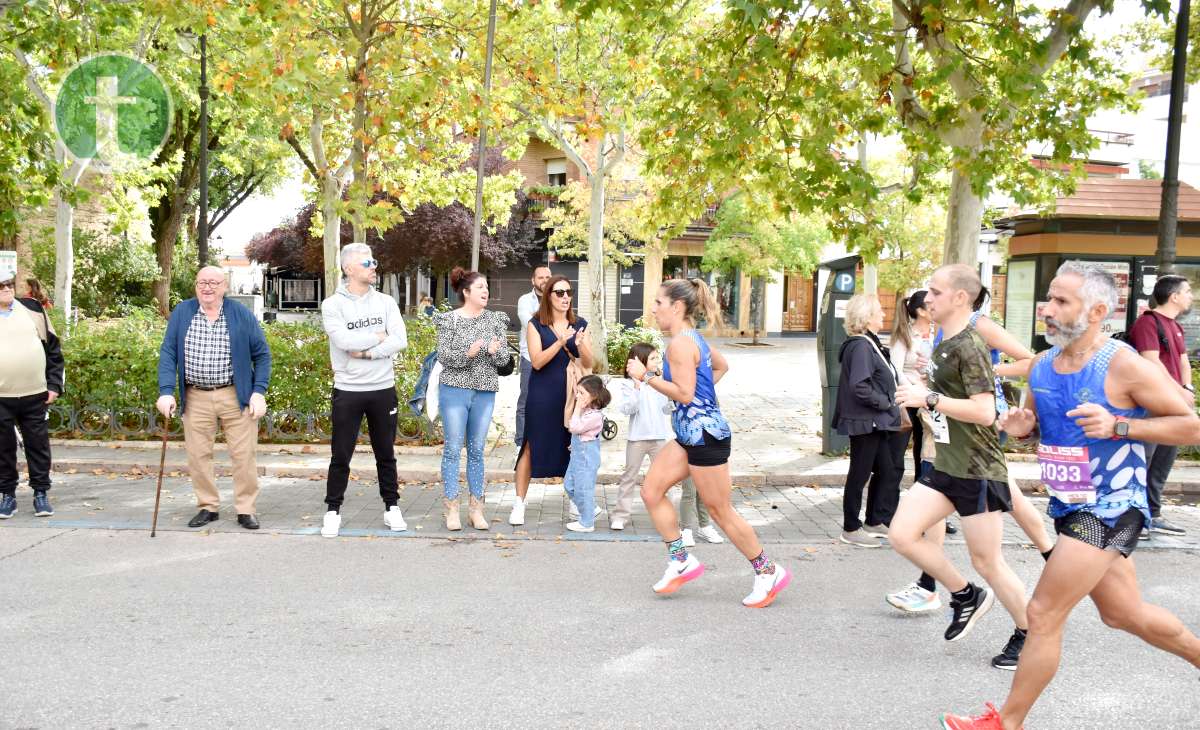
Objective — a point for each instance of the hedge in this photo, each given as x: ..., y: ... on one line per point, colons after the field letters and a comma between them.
x: 112, y: 364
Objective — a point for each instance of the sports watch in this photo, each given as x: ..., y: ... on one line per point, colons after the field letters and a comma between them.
x: 1121, y: 429
x: 931, y: 401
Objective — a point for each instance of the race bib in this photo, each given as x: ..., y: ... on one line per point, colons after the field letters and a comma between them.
x: 1067, y: 473
x: 941, y: 427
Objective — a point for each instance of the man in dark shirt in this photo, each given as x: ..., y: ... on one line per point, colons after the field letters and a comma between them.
x: 1159, y: 338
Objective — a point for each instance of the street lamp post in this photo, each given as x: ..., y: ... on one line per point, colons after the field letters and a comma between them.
x: 1168, y: 215
x: 202, y: 227
x: 487, y: 93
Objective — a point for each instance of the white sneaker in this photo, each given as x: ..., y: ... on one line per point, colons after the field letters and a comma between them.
x: 617, y: 524
x: 688, y: 539
x: 395, y: 520
x: 331, y: 524
x: 912, y: 598
x: 766, y: 587
x: 710, y: 534
x: 577, y: 527
x: 677, y: 574
x: 518, y: 513
x: 573, y: 511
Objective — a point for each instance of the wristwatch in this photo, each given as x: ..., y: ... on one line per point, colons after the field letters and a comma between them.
x: 1121, y: 429
x: 651, y: 375
x: 931, y: 401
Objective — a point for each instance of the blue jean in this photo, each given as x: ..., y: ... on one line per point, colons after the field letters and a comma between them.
x: 466, y: 415
x: 580, y: 480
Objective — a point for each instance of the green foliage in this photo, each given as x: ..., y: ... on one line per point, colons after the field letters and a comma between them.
x: 748, y: 238
x: 1147, y: 170
x: 620, y: 339
x: 112, y: 274
x: 113, y: 364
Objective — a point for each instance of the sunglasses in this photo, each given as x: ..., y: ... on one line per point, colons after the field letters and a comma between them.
x: 369, y: 263
x: 561, y: 293
x: 8, y: 285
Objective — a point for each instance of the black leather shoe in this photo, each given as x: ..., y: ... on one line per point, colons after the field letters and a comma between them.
x: 202, y: 518
x: 248, y: 521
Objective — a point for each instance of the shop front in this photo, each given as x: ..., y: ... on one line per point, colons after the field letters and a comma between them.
x: 1112, y: 223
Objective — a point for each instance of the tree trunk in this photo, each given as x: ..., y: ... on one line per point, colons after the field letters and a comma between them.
x: 165, y: 237
x: 596, y: 320
x: 331, y: 192
x: 964, y: 216
x: 64, y: 234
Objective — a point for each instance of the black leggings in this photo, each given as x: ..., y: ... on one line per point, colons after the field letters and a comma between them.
x: 918, y: 440
x: 871, y: 460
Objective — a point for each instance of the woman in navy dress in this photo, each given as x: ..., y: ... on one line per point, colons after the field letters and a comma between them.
x: 553, y: 332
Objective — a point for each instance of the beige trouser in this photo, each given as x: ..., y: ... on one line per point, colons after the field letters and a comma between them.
x: 635, y: 453
x: 203, y: 410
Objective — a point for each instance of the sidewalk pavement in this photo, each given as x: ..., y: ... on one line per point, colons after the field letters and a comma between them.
x: 114, y: 489
x: 765, y: 458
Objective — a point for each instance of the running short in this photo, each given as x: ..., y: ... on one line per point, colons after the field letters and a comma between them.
x: 713, y: 452
x: 970, y: 496
x: 1090, y: 529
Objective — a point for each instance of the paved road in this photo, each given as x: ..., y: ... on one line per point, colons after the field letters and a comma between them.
x: 109, y: 629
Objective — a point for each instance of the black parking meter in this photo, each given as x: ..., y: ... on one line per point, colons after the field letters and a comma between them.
x: 830, y: 335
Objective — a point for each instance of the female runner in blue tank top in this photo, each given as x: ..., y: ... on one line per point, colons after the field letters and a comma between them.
x: 702, y: 442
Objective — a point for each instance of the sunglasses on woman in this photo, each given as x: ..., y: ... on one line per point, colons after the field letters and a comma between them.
x: 561, y: 293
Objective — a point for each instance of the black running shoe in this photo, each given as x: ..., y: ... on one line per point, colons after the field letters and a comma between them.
x: 968, y: 613
x: 1011, y: 654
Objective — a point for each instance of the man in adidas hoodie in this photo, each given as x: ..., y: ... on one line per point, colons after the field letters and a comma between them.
x: 365, y: 332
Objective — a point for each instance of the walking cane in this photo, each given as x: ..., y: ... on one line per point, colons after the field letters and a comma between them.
x: 162, y: 460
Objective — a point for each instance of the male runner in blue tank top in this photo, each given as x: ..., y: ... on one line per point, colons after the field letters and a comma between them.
x: 1089, y: 398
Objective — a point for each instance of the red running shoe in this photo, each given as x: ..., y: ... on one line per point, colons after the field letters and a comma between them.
x: 989, y: 720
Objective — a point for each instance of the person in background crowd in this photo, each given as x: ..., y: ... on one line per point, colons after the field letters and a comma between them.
x: 365, y: 333
x: 31, y: 378
x: 34, y: 290
x: 867, y: 413
x: 587, y: 420
x: 527, y: 306
x: 471, y: 345
x: 555, y: 336
x: 426, y: 306
x: 215, y: 353
x: 911, y: 345
x: 1157, y: 336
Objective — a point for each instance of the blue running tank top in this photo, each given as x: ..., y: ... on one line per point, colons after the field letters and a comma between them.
x: 703, y: 414
x: 1001, y: 401
x: 1117, y: 467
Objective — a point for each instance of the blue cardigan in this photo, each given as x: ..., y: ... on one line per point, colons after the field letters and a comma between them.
x: 247, y: 345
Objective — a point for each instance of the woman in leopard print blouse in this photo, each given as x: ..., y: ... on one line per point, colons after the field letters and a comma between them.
x: 471, y: 345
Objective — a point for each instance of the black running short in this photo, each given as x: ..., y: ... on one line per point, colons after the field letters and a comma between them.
x: 713, y: 452
x: 970, y: 496
x: 1090, y: 529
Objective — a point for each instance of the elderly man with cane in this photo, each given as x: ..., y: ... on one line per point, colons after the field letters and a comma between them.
x: 215, y: 352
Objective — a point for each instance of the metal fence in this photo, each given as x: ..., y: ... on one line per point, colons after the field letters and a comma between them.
x: 99, y: 422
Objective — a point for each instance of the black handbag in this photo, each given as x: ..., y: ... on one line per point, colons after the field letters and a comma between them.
x: 509, y: 367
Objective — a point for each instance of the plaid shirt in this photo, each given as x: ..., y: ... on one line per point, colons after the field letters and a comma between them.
x: 206, y: 357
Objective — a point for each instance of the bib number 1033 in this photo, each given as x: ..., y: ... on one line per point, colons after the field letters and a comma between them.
x: 1067, y: 473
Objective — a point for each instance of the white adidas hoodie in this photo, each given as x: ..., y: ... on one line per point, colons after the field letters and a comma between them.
x: 351, y: 323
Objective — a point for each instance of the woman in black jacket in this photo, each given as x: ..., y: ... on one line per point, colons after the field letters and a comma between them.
x: 867, y: 413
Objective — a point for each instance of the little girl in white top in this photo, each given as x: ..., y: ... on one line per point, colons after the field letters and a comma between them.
x: 649, y: 430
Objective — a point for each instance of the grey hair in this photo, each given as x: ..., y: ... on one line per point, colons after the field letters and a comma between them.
x: 1098, y: 285
x: 352, y: 248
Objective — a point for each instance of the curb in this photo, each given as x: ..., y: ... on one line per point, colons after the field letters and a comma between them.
x: 429, y: 474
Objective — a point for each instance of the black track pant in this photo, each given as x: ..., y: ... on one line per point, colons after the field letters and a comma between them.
x: 349, y: 407
x: 28, y: 414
